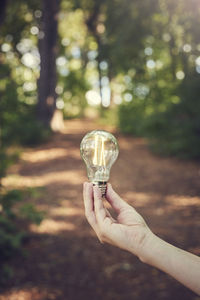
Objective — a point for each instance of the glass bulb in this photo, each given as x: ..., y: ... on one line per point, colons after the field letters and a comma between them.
x: 99, y: 150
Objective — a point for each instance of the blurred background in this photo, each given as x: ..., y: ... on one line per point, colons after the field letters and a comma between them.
x: 67, y: 67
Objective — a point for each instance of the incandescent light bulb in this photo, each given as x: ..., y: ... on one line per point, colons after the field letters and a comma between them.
x: 99, y: 150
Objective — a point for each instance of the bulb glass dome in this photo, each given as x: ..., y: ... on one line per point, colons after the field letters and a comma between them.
x: 99, y: 150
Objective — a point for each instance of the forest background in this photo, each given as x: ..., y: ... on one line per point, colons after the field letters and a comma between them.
x: 134, y: 64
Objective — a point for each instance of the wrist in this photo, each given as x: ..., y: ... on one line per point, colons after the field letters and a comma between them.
x: 141, y: 243
x: 147, y: 251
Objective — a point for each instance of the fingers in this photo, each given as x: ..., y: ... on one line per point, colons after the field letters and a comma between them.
x: 89, y: 204
x: 100, y: 211
x: 96, y: 214
x: 109, y: 215
x: 115, y: 200
x: 104, y: 219
x: 88, y: 196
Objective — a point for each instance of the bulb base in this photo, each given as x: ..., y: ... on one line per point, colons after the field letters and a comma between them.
x: 102, y: 186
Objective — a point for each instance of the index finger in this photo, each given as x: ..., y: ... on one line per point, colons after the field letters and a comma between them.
x: 115, y: 200
x: 98, y: 205
x: 89, y: 203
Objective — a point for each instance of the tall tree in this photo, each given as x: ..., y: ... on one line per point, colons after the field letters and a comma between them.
x: 47, y: 48
x: 2, y: 10
x: 92, y: 24
x: 93, y: 11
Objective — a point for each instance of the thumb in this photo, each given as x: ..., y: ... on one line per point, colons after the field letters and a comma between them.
x: 115, y: 200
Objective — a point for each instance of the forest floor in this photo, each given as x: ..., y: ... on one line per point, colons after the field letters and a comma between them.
x: 65, y: 261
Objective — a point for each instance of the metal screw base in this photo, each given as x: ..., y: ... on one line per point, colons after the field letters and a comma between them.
x: 103, y: 186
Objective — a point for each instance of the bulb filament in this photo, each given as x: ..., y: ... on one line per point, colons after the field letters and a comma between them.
x: 99, y: 152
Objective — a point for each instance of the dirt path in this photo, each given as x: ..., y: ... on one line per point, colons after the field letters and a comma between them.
x: 66, y: 261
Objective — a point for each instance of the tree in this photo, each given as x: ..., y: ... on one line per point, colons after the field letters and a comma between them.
x: 47, y: 47
x: 2, y: 10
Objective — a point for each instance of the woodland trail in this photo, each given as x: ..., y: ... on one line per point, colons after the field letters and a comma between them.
x: 65, y: 260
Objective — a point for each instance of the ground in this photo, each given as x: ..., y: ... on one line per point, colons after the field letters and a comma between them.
x: 65, y: 260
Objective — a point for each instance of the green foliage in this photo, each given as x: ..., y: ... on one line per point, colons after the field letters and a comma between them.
x: 29, y: 131
x: 127, y: 23
x: 8, y: 200
x: 139, y: 43
x: 6, y: 273
x: 109, y: 116
x: 177, y: 131
x: 29, y: 212
x: 5, y: 162
x: 168, y: 114
x: 18, y: 125
x: 18, y: 121
x: 74, y: 89
x: 170, y: 121
x: 132, y: 119
x: 15, y: 218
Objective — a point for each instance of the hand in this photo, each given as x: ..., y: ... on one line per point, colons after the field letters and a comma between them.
x: 129, y: 231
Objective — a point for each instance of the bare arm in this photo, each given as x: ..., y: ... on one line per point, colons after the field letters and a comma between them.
x: 180, y: 264
x: 130, y: 232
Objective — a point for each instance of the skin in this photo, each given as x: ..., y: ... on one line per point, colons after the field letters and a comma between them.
x: 130, y: 232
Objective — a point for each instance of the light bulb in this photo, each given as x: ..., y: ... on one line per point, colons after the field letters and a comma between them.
x: 99, y: 150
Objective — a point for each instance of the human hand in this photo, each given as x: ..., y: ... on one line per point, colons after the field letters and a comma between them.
x: 128, y: 231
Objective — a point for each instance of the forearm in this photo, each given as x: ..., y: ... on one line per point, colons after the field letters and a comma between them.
x: 182, y: 265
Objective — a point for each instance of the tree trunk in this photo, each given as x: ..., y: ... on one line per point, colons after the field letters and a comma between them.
x: 173, y: 56
x: 91, y: 23
x: 3, y: 4
x: 47, y: 47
